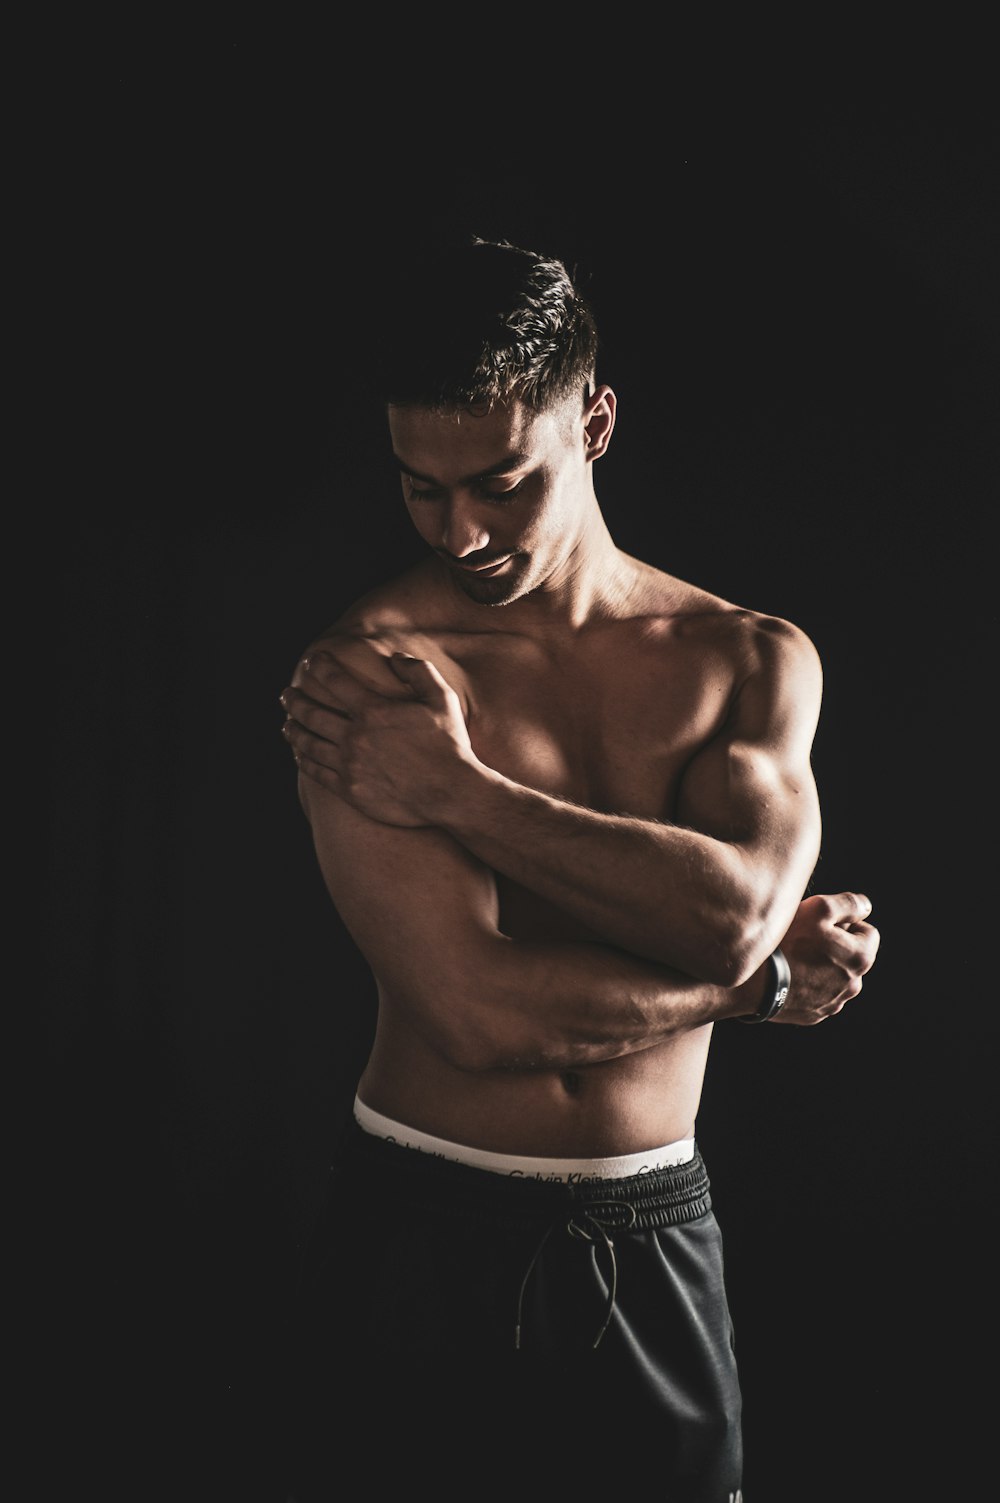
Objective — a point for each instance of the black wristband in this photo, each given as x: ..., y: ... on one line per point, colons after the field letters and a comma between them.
x: 774, y: 1000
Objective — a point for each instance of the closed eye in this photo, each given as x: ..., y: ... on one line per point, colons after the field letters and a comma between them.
x: 436, y: 493
x: 501, y: 496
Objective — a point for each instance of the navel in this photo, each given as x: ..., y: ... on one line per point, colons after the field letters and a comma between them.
x: 572, y: 1082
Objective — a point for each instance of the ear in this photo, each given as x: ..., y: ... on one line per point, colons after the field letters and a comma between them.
x: 599, y: 420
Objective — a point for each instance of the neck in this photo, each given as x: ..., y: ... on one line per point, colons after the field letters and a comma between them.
x: 592, y: 579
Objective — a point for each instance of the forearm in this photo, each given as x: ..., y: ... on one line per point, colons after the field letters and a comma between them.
x: 663, y: 893
x: 548, y: 1005
x: 710, y: 895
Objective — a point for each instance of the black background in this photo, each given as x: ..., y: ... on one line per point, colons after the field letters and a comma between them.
x: 799, y: 317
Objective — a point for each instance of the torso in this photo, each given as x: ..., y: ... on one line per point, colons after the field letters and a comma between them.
x: 608, y: 718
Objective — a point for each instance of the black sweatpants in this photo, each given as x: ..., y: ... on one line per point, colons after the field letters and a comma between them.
x: 470, y: 1332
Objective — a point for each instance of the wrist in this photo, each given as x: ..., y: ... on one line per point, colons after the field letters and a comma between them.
x: 775, y: 993
x: 452, y: 803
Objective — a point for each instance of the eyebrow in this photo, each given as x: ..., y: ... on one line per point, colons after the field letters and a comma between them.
x: 503, y: 466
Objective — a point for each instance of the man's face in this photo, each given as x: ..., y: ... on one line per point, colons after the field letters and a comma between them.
x: 499, y: 496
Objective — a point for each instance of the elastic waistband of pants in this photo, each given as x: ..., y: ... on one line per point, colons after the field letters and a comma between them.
x: 369, y: 1166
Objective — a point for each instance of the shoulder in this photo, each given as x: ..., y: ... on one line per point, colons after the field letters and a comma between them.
x: 757, y: 672
x: 391, y: 609
x: 745, y: 640
x: 764, y: 653
x: 773, y: 644
x: 396, y: 616
x: 761, y: 670
x: 778, y: 680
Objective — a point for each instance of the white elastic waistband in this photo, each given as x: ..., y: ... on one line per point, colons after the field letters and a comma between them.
x: 569, y: 1171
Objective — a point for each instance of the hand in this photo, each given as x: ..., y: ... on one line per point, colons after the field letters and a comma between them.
x: 829, y: 948
x: 392, y: 752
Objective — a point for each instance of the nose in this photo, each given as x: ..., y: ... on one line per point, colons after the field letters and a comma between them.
x: 463, y: 532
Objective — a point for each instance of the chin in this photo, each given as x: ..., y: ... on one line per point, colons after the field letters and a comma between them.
x: 500, y: 590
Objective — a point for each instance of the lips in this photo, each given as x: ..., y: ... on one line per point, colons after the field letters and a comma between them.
x: 484, y: 568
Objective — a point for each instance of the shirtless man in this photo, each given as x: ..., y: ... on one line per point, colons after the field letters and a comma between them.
x: 564, y: 805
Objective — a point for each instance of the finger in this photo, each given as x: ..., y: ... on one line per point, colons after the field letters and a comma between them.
x: 311, y: 667
x: 318, y: 772
x: 422, y: 676
x: 309, y: 720
x: 846, y: 908
x: 853, y: 947
x: 311, y: 677
x: 305, y: 742
x: 330, y: 681
x: 868, y: 940
x: 862, y: 928
x: 339, y: 692
x: 362, y: 663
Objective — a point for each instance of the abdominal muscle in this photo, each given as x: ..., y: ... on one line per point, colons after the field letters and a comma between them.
x: 626, y: 1105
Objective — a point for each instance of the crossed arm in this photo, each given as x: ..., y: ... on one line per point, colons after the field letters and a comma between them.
x: 408, y: 824
x: 710, y: 892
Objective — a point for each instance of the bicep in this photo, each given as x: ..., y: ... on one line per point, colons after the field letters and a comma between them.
x: 752, y: 785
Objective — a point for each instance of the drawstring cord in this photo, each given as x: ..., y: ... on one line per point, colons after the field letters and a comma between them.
x: 524, y: 1284
x: 586, y: 1228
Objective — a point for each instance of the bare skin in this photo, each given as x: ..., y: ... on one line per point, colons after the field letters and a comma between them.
x: 563, y: 802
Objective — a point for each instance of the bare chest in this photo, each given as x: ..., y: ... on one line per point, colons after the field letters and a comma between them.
x: 610, y: 733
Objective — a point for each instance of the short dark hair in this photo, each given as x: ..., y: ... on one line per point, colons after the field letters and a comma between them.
x: 483, y: 321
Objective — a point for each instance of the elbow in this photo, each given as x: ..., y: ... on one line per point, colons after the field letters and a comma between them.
x: 466, y: 1019
x: 722, y: 964
x: 714, y: 933
x: 750, y: 944
x: 457, y: 1031
x: 720, y: 969
x: 728, y: 949
x: 709, y: 953
x: 470, y: 1051
x: 479, y: 1051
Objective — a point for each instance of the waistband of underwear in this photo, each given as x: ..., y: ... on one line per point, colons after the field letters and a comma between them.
x: 369, y: 1172
x: 567, y: 1171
